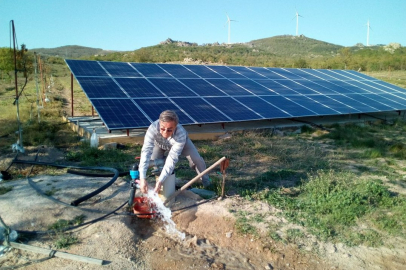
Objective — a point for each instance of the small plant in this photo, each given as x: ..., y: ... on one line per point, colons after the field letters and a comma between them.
x: 51, y: 192
x: 65, y: 241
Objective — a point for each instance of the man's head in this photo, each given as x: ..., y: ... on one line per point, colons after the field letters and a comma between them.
x: 168, y: 120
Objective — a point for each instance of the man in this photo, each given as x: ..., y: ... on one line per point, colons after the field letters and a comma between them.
x: 166, y: 134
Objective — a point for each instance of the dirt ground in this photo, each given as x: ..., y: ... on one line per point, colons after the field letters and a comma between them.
x: 123, y: 241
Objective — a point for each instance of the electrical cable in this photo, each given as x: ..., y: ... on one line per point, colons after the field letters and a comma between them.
x: 308, y: 122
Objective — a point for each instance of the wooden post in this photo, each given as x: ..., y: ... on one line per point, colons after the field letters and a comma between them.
x: 194, y: 180
x: 223, y: 167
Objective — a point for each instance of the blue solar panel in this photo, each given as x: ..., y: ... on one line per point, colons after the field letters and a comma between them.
x: 289, y: 106
x: 387, y: 86
x: 228, y: 87
x: 86, y: 68
x: 298, y: 87
x: 285, y: 74
x: 204, y: 72
x: 101, y: 87
x: 347, y: 88
x: 371, y: 100
x: 120, y: 113
x: 360, y: 76
x: 262, y: 107
x: 226, y: 72
x: 132, y: 95
x: 172, y: 87
x: 277, y: 87
x: 248, y: 73
x: 269, y: 74
x: 302, y: 73
x: 318, y: 87
x: 117, y: 69
x: 178, y: 71
x: 253, y: 87
x: 313, y: 105
x: 200, y: 110
x: 234, y: 109
x: 150, y: 70
x: 153, y: 108
x: 202, y: 87
x: 138, y: 87
x: 331, y: 102
x: 359, y: 105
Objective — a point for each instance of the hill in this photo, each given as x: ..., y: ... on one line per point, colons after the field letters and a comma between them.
x: 71, y: 51
x: 293, y: 46
x: 278, y: 51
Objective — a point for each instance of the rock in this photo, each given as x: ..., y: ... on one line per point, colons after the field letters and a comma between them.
x: 268, y: 266
x: 225, y: 136
x: 278, y: 132
x: 107, y: 146
x: 229, y: 234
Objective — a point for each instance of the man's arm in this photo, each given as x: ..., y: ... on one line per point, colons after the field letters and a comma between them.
x: 146, y: 153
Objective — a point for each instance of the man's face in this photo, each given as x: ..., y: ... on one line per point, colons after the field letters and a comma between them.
x: 167, y: 128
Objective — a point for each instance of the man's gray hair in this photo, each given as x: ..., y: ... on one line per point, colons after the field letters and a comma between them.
x: 168, y: 116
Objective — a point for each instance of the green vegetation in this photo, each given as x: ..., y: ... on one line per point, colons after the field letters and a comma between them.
x: 88, y: 156
x: 62, y: 239
x: 4, y: 190
x: 51, y: 192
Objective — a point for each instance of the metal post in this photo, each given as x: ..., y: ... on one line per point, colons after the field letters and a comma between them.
x: 20, y: 133
x: 71, y: 93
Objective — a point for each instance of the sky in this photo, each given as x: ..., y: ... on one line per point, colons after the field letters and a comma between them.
x: 126, y: 25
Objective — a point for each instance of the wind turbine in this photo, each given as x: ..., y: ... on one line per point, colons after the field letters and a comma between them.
x: 368, y: 27
x: 229, y: 27
x: 297, y: 22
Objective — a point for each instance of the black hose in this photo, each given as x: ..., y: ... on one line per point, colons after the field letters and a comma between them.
x: 73, y: 227
x: 84, y: 198
x: 95, y: 174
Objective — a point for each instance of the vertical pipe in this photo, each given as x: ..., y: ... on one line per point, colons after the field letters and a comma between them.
x: 20, y: 134
x: 71, y: 93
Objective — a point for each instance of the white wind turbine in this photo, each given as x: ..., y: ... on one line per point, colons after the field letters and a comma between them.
x: 297, y: 22
x: 229, y: 27
x: 368, y: 27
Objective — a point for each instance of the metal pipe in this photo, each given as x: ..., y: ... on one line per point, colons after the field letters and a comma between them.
x: 71, y: 93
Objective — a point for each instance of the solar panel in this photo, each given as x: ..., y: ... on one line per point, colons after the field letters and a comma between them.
x: 132, y: 95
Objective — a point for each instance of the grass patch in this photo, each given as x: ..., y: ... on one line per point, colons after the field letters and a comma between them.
x: 116, y: 158
x: 65, y: 240
x: 4, y: 190
x: 63, y: 224
x: 331, y: 202
x: 243, y: 224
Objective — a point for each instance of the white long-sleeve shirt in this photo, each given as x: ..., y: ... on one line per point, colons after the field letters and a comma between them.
x: 174, y: 144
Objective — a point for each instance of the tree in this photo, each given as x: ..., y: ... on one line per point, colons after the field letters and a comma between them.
x: 6, y: 60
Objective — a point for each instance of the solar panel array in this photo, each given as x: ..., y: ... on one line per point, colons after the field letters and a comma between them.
x: 132, y: 95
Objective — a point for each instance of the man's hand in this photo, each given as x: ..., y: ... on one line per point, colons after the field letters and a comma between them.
x: 143, y: 185
x: 158, y: 187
